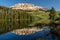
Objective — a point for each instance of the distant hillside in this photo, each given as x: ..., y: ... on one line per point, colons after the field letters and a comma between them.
x: 41, y: 16
x: 27, y: 6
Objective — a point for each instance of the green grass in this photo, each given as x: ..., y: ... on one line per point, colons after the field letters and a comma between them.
x: 40, y: 16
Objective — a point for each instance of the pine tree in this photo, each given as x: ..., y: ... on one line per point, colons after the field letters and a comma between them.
x: 52, y: 22
x: 52, y: 16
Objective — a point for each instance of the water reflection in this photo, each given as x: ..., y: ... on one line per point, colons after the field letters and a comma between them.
x: 36, y: 36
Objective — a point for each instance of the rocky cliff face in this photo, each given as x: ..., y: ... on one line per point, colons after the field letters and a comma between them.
x: 26, y: 6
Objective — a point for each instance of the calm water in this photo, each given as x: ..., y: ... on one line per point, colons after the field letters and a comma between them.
x: 40, y: 34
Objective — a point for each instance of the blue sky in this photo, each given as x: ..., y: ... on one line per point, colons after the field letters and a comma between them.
x: 44, y: 3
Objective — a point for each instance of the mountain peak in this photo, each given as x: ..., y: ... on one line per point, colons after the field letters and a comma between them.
x: 26, y: 6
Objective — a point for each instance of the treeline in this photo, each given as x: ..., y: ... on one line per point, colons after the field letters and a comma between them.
x: 13, y: 19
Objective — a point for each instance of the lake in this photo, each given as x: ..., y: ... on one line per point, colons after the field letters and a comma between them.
x: 40, y: 34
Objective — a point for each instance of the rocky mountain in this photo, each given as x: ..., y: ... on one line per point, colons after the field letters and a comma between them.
x: 26, y: 6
